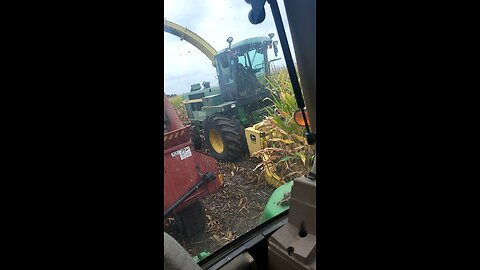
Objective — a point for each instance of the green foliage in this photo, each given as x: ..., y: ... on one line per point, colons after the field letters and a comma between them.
x: 176, y: 101
x: 287, y: 153
x: 179, y: 107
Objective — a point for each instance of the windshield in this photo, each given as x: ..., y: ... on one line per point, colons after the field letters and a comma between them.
x: 253, y: 60
x: 230, y: 165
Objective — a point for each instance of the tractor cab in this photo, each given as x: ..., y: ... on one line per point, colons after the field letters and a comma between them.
x: 242, y: 68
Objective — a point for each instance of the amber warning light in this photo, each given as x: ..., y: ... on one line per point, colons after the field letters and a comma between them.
x: 299, y: 118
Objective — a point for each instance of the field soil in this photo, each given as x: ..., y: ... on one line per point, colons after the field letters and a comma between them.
x: 235, y: 209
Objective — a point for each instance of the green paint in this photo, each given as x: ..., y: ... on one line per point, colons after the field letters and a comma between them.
x: 247, y: 43
x: 260, y: 114
x: 223, y: 107
x: 202, y: 255
x: 195, y: 87
x: 242, y: 116
x: 199, y: 115
x: 213, y: 100
x: 198, y: 94
x: 276, y: 203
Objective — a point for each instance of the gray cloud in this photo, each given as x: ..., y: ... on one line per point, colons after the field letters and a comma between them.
x: 214, y: 21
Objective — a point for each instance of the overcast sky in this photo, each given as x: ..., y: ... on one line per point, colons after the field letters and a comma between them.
x: 214, y: 21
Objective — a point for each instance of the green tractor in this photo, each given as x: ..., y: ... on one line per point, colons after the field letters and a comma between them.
x: 220, y: 113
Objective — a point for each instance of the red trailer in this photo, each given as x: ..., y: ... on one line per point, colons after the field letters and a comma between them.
x: 188, y: 175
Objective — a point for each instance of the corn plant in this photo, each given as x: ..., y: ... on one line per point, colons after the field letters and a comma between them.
x: 287, y: 154
x: 179, y: 107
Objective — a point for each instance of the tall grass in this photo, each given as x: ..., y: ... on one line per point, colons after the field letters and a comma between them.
x: 287, y: 154
x: 179, y: 107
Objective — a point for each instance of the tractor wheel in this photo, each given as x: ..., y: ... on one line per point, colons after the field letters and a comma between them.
x: 196, y: 138
x: 225, y: 137
x: 191, y: 219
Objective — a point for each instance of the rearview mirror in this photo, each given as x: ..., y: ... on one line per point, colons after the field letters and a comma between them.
x: 275, y: 48
x: 229, y: 40
x: 273, y: 60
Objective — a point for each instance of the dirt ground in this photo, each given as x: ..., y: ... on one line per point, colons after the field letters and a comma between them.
x: 235, y: 209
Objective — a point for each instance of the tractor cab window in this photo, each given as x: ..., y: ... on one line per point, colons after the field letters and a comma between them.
x: 225, y: 74
x: 250, y: 65
x: 253, y: 60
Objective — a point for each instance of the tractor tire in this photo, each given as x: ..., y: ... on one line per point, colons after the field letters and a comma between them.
x: 225, y: 137
x: 196, y: 139
x: 191, y: 219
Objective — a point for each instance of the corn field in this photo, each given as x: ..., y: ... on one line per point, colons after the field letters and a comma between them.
x: 286, y: 154
x: 179, y: 108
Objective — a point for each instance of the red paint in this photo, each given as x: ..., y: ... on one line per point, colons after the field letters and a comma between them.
x: 181, y: 175
x: 174, y: 122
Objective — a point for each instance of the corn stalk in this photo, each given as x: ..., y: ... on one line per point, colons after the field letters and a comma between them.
x: 179, y: 108
x: 287, y: 154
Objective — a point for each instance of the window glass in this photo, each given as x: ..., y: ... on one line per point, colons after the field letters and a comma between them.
x: 250, y: 152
